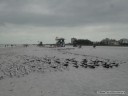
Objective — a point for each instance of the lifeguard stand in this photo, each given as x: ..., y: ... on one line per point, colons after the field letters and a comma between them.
x: 60, y: 42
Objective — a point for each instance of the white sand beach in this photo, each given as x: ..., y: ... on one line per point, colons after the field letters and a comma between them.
x: 67, y: 71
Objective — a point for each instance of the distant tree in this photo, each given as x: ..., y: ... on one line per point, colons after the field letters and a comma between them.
x: 105, y: 41
x: 108, y: 41
x: 123, y: 42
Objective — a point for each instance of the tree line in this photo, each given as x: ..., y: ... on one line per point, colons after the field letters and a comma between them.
x: 103, y: 42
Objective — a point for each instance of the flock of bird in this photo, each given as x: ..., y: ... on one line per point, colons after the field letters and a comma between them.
x: 23, y: 65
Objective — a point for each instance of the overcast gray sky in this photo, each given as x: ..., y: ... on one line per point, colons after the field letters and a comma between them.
x: 29, y: 21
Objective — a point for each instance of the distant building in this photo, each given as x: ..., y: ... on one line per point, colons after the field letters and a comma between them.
x: 73, y: 40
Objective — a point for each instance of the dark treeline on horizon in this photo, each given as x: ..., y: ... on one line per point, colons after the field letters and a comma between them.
x: 104, y: 42
x: 75, y: 42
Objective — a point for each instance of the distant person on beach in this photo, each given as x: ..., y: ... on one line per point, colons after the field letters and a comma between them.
x: 80, y: 46
x: 25, y: 45
x: 94, y: 46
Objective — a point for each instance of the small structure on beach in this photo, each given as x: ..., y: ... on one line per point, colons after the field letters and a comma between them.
x: 60, y: 42
x: 74, y: 42
x: 40, y: 44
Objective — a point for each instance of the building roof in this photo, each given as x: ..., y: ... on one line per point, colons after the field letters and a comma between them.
x: 60, y: 39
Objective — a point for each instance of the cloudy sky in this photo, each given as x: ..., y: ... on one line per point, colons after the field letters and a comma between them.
x: 30, y: 21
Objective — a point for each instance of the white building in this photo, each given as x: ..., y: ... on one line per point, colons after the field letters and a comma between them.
x: 72, y: 40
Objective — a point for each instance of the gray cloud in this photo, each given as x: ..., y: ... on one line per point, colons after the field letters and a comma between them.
x: 33, y: 20
x: 63, y: 12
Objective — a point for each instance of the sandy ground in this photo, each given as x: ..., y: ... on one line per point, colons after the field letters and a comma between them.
x: 68, y: 71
